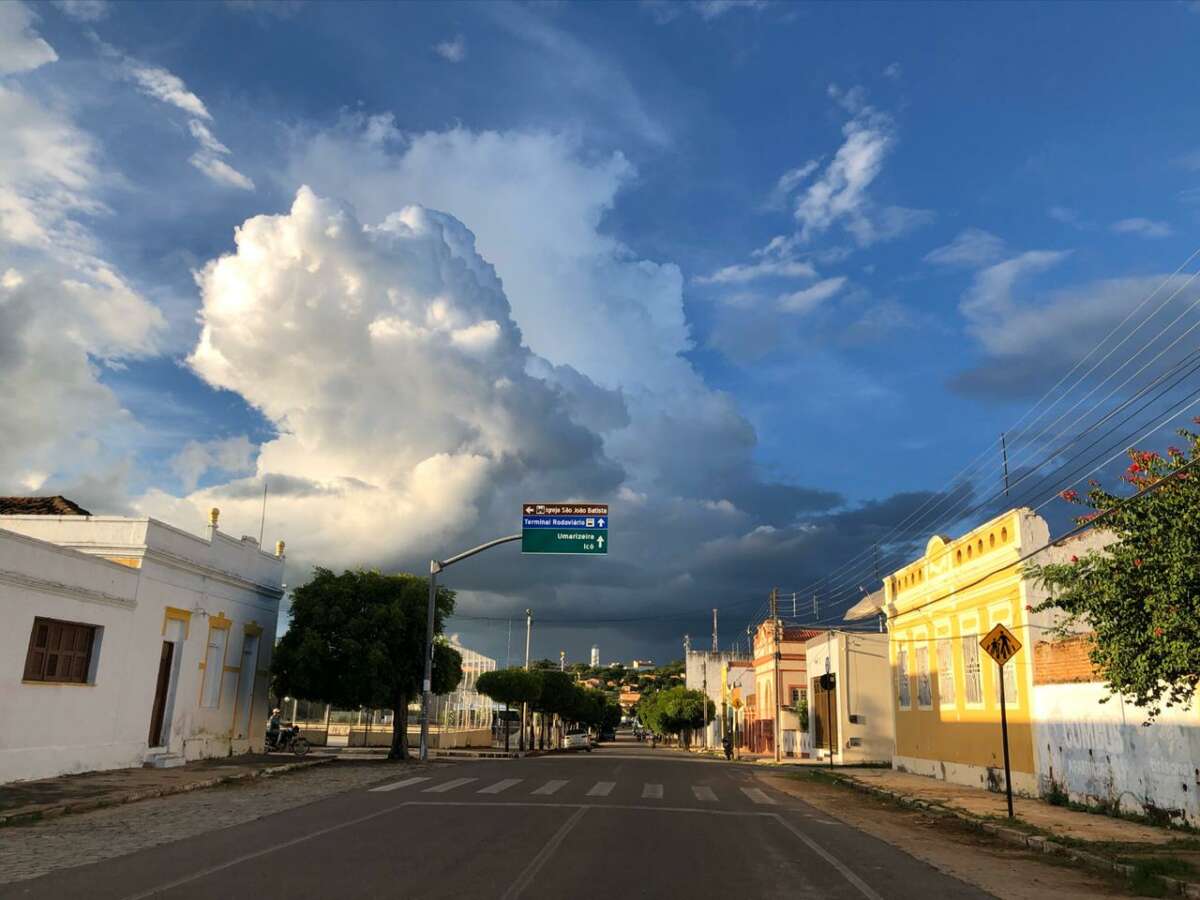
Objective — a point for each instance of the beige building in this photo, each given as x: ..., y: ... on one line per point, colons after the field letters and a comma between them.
x: 859, y: 706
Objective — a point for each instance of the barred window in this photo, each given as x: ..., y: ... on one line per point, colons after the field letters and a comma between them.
x: 924, y: 687
x: 902, y: 685
x: 945, y: 658
x: 970, y: 647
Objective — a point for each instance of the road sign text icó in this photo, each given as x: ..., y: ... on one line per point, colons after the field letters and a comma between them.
x: 564, y: 528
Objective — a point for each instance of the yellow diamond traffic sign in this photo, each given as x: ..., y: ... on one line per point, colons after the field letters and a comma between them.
x: 1000, y: 644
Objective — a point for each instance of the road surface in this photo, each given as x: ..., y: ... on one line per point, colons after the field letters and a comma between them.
x: 623, y: 821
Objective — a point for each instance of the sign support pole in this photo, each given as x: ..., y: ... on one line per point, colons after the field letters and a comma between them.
x: 1004, y: 737
x: 427, y: 682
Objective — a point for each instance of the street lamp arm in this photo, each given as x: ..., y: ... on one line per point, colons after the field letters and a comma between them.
x: 436, y: 566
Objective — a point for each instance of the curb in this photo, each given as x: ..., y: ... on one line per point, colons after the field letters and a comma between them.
x: 62, y: 809
x: 1035, y: 842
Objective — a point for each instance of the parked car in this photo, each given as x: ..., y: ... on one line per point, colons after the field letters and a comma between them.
x: 577, y: 739
x: 608, y: 734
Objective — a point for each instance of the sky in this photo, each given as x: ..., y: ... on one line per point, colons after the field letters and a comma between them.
x: 770, y: 279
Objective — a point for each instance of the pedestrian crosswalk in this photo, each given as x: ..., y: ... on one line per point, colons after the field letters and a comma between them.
x: 561, y: 787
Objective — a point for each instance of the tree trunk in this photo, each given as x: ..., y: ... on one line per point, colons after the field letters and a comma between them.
x: 400, y: 728
x: 505, y: 727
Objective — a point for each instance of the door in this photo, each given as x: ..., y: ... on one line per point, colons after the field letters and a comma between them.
x: 158, y: 711
x: 824, y: 713
x: 246, y: 679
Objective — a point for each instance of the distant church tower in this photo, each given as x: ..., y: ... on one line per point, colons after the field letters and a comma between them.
x: 595, y: 655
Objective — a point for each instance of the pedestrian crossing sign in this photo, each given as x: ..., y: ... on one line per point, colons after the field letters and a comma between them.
x: 1000, y: 644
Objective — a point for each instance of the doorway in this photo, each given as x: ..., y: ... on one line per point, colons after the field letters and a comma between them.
x: 159, y: 710
x: 824, y: 713
x: 246, y: 679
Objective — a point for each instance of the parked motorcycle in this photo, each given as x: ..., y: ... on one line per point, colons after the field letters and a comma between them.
x: 287, y: 739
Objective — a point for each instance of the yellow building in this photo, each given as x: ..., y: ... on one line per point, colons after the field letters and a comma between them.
x: 945, y: 687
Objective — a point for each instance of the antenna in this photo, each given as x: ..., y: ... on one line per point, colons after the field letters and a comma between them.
x: 262, y: 525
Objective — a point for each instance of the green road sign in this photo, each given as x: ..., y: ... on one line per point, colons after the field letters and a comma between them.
x: 564, y: 528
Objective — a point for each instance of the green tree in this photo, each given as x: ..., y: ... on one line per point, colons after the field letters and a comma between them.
x: 675, y: 710
x: 358, y: 639
x: 512, y: 687
x: 1141, y: 593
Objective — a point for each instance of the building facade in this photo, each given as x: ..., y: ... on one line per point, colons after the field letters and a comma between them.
x: 702, y: 672
x: 859, y: 705
x: 780, y: 684
x: 129, y: 641
x: 595, y: 659
x: 945, y: 689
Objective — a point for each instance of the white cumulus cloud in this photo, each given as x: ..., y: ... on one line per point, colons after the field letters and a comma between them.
x: 22, y: 49
x: 401, y: 391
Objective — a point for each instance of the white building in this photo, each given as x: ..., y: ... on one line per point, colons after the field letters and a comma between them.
x: 595, y: 657
x: 128, y: 641
x: 703, y: 671
x: 466, y: 707
x: 860, y: 702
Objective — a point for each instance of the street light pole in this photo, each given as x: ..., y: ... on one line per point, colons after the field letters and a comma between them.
x: 525, y: 706
x: 435, y: 567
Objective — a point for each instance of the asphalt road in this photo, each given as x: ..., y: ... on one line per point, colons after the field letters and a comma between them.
x: 623, y: 821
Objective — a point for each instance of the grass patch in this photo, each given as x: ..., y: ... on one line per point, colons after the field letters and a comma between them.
x: 1146, y: 880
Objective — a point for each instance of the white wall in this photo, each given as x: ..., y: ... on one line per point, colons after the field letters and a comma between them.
x: 51, y: 729
x: 860, y: 664
x: 702, y: 672
x: 1102, y: 753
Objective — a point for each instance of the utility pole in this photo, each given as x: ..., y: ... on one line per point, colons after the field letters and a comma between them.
x: 776, y: 625
x: 525, y: 706
x: 715, y: 646
x: 1004, y: 457
x: 704, y: 690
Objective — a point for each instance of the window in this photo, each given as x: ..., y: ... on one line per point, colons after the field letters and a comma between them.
x: 1010, y: 684
x: 970, y: 646
x: 214, y: 667
x: 902, y: 678
x: 798, y: 696
x: 924, y: 688
x: 60, y: 651
x: 945, y: 661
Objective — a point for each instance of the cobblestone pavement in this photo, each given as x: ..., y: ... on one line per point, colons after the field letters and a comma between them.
x: 27, y: 851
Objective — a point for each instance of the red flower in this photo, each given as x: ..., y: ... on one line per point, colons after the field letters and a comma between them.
x: 1074, y: 559
x: 1070, y: 495
x: 1158, y: 632
x: 1135, y: 467
x: 1137, y: 563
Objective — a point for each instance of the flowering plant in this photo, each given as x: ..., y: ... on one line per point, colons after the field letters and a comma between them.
x: 1141, y: 593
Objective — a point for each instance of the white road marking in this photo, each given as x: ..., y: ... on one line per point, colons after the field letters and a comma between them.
x: 396, y: 785
x: 448, y: 785
x: 704, y: 793
x: 756, y: 795
x: 535, y: 865
x: 863, y: 888
x: 652, y: 792
x: 602, y: 789
x: 549, y: 787
x: 499, y: 786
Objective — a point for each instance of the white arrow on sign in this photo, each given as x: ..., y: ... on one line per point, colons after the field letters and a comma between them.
x: 601, y: 523
x: 600, y: 540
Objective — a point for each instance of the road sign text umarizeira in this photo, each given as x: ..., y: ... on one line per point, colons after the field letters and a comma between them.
x: 564, y: 528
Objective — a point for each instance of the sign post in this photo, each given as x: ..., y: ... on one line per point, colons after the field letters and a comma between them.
x: 580, y: 528
x: 1002, y: 645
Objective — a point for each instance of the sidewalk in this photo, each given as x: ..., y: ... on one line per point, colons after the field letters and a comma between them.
x: 31, y: 801
x: 1131, y: 848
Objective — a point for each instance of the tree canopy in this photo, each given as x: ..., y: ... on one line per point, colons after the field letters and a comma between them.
x: 358, y: 639
x: 674, y: 710
x: 1141, y: 593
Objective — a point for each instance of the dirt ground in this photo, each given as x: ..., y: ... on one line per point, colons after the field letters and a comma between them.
x: 1000, y: 869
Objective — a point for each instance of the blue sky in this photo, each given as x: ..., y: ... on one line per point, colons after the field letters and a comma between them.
x: 765, y: 276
